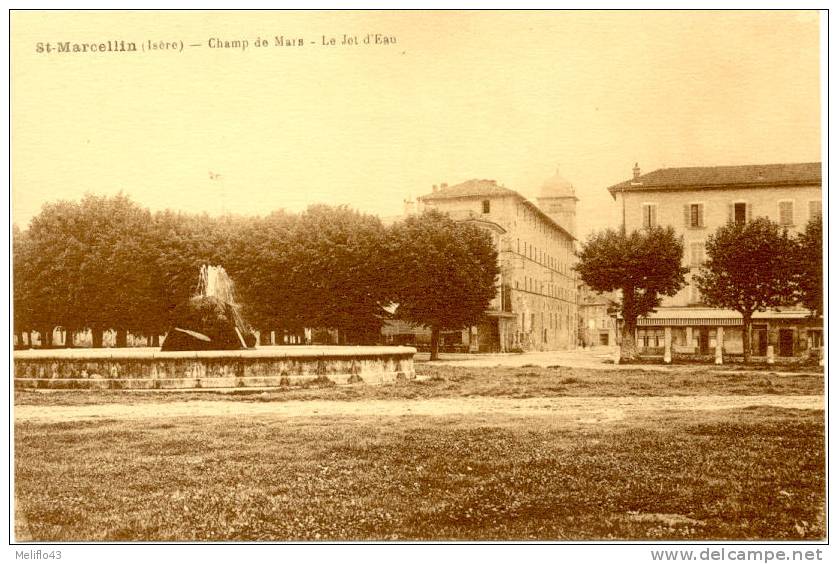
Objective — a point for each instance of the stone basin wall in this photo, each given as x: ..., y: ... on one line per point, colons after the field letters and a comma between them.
x: 149, y: 368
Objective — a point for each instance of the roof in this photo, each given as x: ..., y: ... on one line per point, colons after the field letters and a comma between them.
x: 713, y: 316
x: 475, y: 188
x: 714, y: 177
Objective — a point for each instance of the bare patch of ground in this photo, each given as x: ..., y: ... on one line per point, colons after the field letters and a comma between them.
x: 585, y: 409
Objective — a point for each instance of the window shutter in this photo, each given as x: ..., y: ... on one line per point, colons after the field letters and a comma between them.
x: 653, y: 216
x: 786, y: 210
x: 748, y: 212
x: 731, y: 217
x: 701, y: 215
x: 814, y: 209
x: 686, y: 215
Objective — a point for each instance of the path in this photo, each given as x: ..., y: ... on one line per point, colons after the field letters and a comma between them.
x: 583, y: 409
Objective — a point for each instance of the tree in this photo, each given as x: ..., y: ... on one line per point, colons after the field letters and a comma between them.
x: 749, y: 268
x: 89, y: 266
x: 443, y: 273
x: 22, y: 301
x: 269, y: 282
x: 644, y: 265
x: 341, y: 260
x: 810, y: 266
x: 319, y: 269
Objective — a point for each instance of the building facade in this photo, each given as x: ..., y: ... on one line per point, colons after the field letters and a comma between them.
x: 535, y: 306
x: 696, y: 201
x: 597, y: 324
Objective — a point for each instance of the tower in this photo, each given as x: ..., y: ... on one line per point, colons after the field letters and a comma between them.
x: 558, y: 200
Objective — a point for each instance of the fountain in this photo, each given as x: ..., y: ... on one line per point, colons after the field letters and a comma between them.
x: 209, y: 320
x: 209, y: 345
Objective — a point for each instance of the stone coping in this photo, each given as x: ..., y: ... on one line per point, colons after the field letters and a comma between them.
x: 278, y: 352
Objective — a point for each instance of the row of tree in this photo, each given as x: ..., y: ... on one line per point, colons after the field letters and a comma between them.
x: 106, y: 263
x: 750, y: 267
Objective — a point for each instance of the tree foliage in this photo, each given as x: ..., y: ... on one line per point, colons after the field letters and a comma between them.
x: 644, y: 265
x: 444, y: 272
x: 106, y: 263
x: 749, y: 268
x: 810, y: 266
x: 86, y: 265
x: 270, y: 284
x: 22, y: 291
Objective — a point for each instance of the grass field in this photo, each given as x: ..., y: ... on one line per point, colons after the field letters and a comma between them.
x: 753, y: 473
x: 446, y: 381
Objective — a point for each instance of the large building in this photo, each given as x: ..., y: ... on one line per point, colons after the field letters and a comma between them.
x: 696, y: 201
x: 535, y: 307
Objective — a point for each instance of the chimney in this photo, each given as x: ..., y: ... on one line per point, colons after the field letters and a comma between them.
x: 444, y: 185
x: 434, y: 188
x: 636, y: 171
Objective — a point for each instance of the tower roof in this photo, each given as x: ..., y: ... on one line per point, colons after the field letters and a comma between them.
x: 557, y: 186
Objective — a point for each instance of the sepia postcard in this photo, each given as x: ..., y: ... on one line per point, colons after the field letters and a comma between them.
x: 419, y: 276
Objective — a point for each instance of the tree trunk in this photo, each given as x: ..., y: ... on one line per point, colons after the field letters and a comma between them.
x: 154, y: 339
x: 46, y: 338
x: 747, y: 337
x: 21, y: 343
x: 96, y: 337
x: 435, y: 343
x: 121, y: 338
x: 628, y: 345
x: 69, y: 334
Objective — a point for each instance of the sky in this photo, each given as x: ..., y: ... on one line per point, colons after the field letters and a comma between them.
x: 508, y: 96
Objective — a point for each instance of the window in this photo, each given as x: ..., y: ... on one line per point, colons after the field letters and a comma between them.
x: 740, y: 213
x: 786, y: 212
x: 694, y: 215
x: 697, y: 253
x: 486, y: 206
x: 649, y: 215
x: 815, y: 338
x: 814, y: 209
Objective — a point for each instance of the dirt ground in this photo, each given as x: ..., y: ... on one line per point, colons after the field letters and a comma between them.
x: 596, y: 358
x: 580, y: 409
